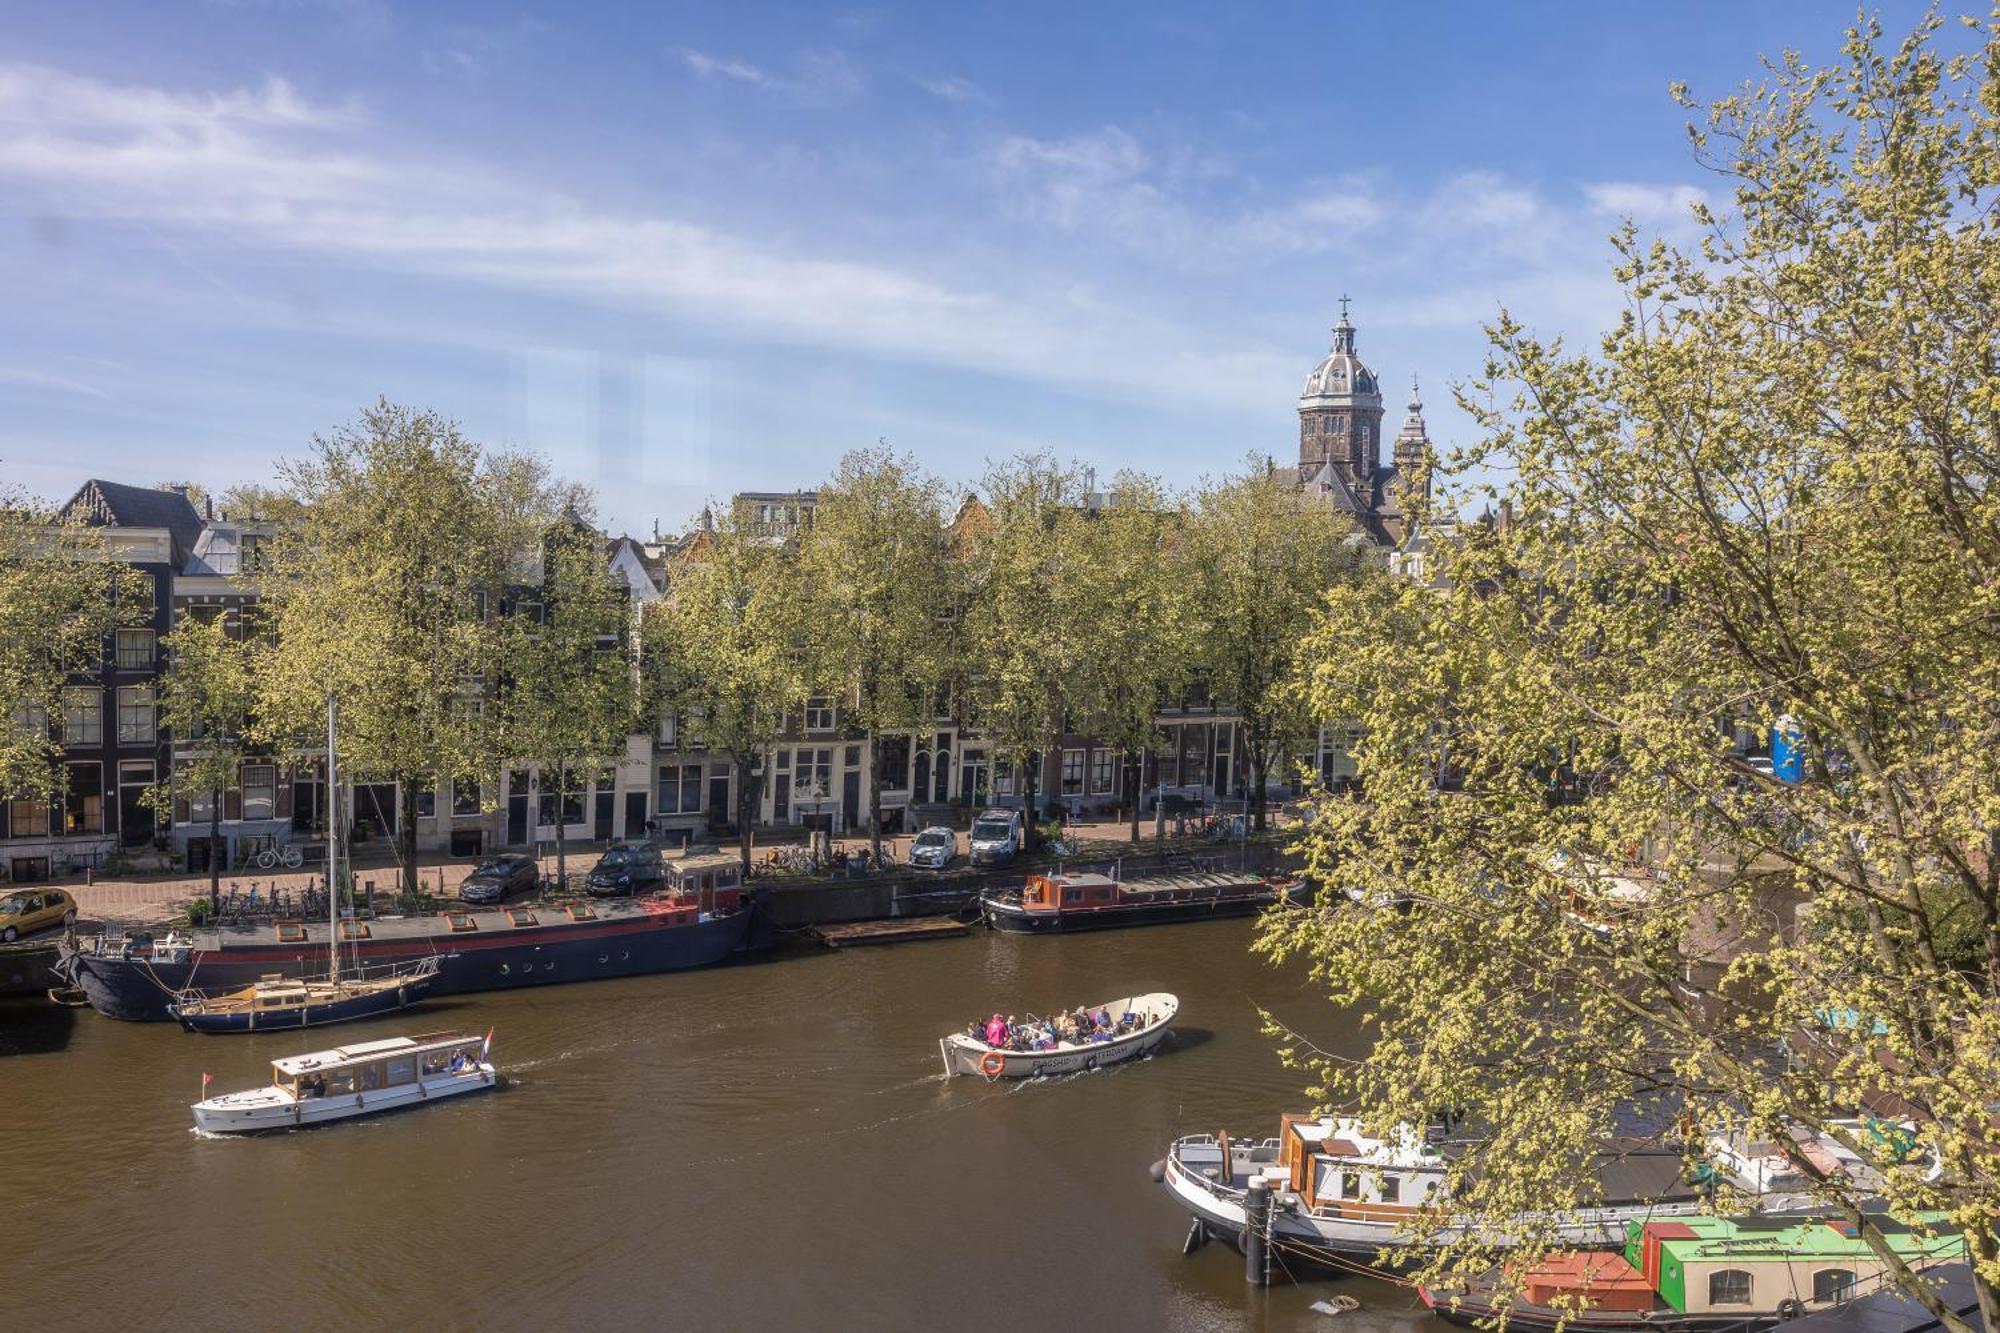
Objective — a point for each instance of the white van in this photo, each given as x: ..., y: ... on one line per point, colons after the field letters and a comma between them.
x: 996, y: 837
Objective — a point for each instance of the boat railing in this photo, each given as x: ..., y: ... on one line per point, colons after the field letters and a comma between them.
x: 1220, y: 1186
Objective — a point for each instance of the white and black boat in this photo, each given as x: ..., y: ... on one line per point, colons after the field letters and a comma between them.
x: 1339, y: 1196
x: 1117, y: 1030
x: 362, y: 1078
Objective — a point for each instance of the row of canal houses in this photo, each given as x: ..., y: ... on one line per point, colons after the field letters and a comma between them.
x: 197, y: 562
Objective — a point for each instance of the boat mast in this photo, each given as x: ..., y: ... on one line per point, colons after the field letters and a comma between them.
x: 332, y: 852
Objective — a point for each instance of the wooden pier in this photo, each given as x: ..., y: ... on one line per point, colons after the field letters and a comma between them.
x: 851, y: 933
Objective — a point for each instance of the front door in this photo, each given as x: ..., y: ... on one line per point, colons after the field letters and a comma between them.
x: 635, y: 814
x: 850, y: 800
x: 781, y: 800
x: 719, y: 813
x: 605, y: 807
x: 972, y: 779
x: 517, y: 809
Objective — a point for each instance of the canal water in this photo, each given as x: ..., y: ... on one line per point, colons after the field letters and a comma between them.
x: 767, y: 1146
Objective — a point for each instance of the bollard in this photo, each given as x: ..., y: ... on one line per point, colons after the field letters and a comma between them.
x: 1257, y: 1232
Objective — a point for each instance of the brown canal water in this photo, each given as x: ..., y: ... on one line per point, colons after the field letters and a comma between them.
x: 767, y: 1146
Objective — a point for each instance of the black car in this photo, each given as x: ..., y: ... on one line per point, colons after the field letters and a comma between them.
x: 498, y: 878
x: 632, y: 867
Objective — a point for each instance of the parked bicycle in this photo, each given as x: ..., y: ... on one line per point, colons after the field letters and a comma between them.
x: 272, y: 857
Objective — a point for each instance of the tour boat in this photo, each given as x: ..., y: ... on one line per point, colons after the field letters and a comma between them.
x: 359, y: 1079
x: 275, y: 1002
x: 1341, y: 1196
x: 1151, y: 1014
x: 1052, y: 903
x: 1697, y: 1273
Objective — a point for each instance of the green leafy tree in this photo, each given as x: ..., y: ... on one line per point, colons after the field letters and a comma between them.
x: 1771, y: 493
x: 61, y: 595
x: 1260, y: 554
x: 1029, y: 619
x: 879, y: 587
x: 383, y: 592
x: 726, y: 650
x: 568, y: 695
x: 206, y: 694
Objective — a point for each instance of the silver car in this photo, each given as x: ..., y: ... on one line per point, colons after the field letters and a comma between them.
x: 934, y: 849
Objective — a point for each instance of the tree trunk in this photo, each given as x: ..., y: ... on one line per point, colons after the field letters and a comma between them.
x: 746, y: 805
x: 875, y: 794
x: 1135, y: 782
x: 562, y: 817
x: 1260, y: 764
x: 214, y: 858
x: 406, y: 832
x: 1031, y: 824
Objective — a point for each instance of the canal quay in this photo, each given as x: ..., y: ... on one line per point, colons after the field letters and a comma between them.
x: 765, y: 1145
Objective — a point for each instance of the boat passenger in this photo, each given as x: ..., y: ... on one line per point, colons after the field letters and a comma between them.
x: 458, y: 1062
x: 996, y: 1032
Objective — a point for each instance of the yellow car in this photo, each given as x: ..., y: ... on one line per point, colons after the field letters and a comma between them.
x: 26, y: 911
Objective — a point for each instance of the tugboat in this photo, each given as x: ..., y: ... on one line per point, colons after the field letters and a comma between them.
x: 1695, y: 1274
x: 1130, y: 1029
x: 360, y: 1079
x: 1049, y: 904
x: 1337, y: 1196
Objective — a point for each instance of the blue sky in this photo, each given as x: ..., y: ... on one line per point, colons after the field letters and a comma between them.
x: 690, y: 249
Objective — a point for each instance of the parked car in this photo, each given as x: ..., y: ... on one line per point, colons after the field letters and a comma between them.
x: 630, y: 867
x: 26, y: 911
x: 934, y: 849
x: 498, y: 878
x: 996, y: 837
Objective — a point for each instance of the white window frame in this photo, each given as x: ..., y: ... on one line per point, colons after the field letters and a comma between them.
x: 1104, y: 768
x: 270, y: 802
x: 1066, y: 783
x: 822, y: 713
x: 133, y: 698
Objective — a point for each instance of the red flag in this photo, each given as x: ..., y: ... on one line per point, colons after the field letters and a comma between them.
x: 206, y: 1079
x: 486, y: 1045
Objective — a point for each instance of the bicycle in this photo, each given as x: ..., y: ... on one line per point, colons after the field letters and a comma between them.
x: 286, y: 855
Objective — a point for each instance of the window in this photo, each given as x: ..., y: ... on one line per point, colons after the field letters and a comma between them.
x: 1072, y: 772
x: 820, y: 713
x: 251, y: 552
x: 667, y: 730
x: 1003, y: 777
x: 895, y: 760
x: 260, y: 791
x: 1103, y: 772
x: 813, y: 777
x: 670, y: 789
x: 135, y: 649
x: 83, y: 716
x: 1350, y: 1185
x: 27, y: 817
x: 680, y: 789
x: 32, y: 718
x: 1730, y: 1286
x: 1391, y: 1189
x: 135, y: 714
x: 464, y: 797
x: 1833, y: 1284
x: 427, y: 803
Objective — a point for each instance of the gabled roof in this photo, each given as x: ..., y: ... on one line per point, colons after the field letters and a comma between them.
x: 114, y: 504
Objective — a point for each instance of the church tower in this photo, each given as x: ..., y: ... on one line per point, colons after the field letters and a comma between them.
x: 1413, y: 446
x: 1340, y: 416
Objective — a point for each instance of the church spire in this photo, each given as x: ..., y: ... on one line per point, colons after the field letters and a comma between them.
x: 1413, y: 444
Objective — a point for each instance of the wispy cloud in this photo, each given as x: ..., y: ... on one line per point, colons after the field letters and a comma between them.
x: 36, y: 379
x: 818, y: 79
x: 1644, y: 203
x: 951, y: 88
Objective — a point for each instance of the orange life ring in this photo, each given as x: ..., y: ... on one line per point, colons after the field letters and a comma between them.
x: 992, y: 1064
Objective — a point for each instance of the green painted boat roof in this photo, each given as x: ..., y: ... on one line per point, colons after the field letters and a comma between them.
x: 1782, y: 1240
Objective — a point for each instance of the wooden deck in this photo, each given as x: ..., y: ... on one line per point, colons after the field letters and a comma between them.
x: 851, y: 933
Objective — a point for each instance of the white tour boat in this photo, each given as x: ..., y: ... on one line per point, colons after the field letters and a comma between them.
x: 358, y: 1079
x: 1137, y: 1024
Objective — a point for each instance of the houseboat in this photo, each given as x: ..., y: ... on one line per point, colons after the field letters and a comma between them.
x: 1697, y: 1273
x: 1341, y: 1196
x: 1764, y: 1168
x: 1131, y: 1027
x: 1048, y: 904
x: 701, y: 919
x: 363, y: 1078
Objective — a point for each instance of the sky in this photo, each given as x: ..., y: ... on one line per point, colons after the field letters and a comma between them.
x: 687, y: 250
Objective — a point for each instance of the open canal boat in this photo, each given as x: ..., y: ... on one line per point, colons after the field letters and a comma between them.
x: 360, y: 1079
x: 1104, y: 1034
x: 1339, y: 1196
x: 1698, y: 1273
x: 1049, y: 904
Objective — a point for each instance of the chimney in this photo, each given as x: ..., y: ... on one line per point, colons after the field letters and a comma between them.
x: 208, y: 503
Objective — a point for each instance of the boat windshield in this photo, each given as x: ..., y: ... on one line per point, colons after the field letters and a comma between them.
x: 991, y: 830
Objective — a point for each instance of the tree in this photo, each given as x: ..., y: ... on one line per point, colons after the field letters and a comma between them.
x: 1771, y: 494
x: 61, y: 596
x: 876, y: 576
x: 381, y: 592
x: 1260, y: 555
x: 725, y: 649
x: 1029, y: 617
x: 567, y: 695
x: 206, y: 695
x: 1139, y: 597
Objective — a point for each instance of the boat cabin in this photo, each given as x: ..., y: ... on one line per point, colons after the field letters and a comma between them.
x: 1089, y: 891
x: 1337, y: 1170
x: 1055, y: 893
x: 1717, y: 1265
x: 714, y: 879
x: 369, y: 1066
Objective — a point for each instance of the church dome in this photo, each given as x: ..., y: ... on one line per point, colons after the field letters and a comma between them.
x: 1341, y: 380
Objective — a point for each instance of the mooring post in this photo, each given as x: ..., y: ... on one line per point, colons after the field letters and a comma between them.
x: 1257, y: 1232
